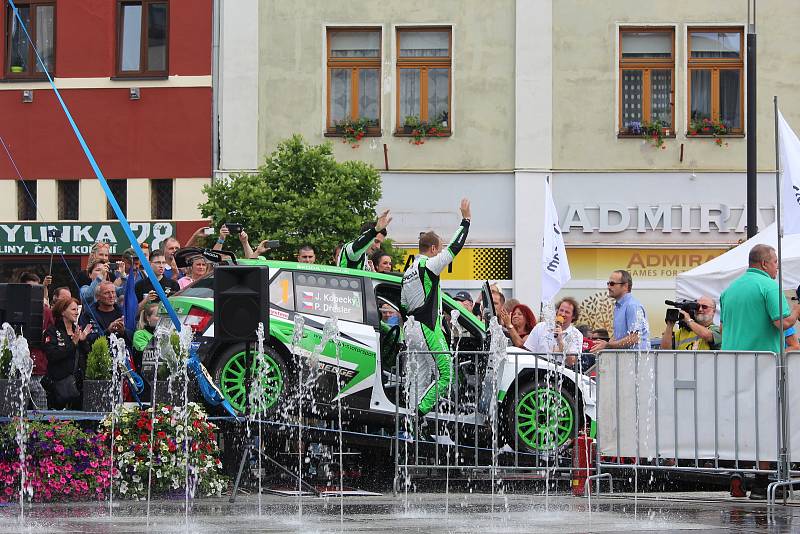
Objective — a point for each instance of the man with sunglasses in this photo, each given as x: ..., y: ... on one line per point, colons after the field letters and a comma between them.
x: 698, y: 334
x: 631, y: 329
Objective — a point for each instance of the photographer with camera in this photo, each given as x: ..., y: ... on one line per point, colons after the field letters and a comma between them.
x: 100, y: 271
x: 144, y: 289
x: 696, y: 328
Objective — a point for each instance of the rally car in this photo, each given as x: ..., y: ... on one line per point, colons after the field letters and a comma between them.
x: 545, y: 403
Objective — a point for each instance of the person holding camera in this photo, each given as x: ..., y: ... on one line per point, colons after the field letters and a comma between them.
x: 99, y: 271
x: 693, y: 333
x: 105, y: 315
x: 144, y: 289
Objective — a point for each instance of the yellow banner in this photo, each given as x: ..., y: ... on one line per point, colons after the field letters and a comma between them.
x: 643, y: 264
x: 472, y: 264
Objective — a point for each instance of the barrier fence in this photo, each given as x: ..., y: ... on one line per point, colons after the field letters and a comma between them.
x: 521, y: 413
x: 518, y: 412
x: 698, y: 411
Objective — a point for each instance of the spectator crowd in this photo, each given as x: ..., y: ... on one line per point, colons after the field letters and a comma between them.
x: 115, y: 296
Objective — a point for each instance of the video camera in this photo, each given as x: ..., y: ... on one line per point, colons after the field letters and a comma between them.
x: 673, y: 314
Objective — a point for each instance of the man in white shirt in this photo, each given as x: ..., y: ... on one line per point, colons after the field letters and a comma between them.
x: 561, y: 339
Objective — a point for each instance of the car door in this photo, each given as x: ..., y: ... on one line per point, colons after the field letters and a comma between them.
x: 348, y: 370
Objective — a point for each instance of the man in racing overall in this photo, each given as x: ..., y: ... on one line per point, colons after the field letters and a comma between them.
x: 355, y: 254
x: 421, y: 297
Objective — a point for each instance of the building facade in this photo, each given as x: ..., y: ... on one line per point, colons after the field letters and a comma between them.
x: 137, y: 79
x: 531, y: 90
x: 658, y: 207
x: 320, y: 65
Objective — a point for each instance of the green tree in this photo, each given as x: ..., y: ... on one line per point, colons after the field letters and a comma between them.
x: 300, y: 195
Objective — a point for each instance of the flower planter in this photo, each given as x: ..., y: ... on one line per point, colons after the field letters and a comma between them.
x: 408, y: 129
x: 97, y: 396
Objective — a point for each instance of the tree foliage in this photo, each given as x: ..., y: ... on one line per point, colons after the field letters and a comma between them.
x: 300, y: 195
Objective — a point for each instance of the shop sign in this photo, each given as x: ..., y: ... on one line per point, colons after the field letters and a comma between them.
x: 642, y: 263
x: 19, y: 238
x: 609, y: 218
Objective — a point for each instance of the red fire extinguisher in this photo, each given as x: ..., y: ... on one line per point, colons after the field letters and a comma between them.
x: 582, y: 460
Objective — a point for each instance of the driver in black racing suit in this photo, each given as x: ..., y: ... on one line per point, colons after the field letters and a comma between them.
x: 421, y: 297
x: 354, y: 254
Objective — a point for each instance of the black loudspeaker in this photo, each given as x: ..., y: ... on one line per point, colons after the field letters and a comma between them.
x: 22, y: 306
x: 241, y: 302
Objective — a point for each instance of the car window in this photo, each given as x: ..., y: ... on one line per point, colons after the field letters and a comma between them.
x: 281, y: 290
x: 329, y: 295
x: 203, y: 288
x: 470, y: 330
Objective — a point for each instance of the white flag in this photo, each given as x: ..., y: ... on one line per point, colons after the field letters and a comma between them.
x: 555, y: 268
x: 789, y: 147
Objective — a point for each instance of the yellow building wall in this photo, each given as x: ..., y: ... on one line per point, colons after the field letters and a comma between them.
x: 585, y: 81
x: 293, y: 79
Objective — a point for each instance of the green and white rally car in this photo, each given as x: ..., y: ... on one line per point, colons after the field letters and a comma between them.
x: 547, y: 401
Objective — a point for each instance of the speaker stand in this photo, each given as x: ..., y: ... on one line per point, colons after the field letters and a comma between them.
x: 250, y: 448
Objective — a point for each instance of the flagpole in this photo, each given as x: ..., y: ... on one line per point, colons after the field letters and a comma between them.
x: 783, y: 466
x: 778, y: 222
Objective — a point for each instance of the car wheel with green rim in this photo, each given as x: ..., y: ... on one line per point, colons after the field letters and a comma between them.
x: 230, y: 377
x: 543, y: 418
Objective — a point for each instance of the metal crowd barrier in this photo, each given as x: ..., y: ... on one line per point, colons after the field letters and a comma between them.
x: 698, y: 411
x: 467, y: 435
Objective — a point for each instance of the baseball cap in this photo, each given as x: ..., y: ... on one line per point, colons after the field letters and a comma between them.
x: 462, y: 296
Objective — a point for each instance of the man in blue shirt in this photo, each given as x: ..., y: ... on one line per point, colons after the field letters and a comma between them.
x: 631, y: 329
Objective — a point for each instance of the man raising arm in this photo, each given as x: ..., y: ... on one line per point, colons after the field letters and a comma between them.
x: 355, y: 253
x: 421, y: 297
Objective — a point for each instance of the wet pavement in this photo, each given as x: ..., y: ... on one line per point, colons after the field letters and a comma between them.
x: 430, y: 513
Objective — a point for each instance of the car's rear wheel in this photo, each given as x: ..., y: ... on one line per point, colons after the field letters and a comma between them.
x: 543, y: 418
x: 231, y: 376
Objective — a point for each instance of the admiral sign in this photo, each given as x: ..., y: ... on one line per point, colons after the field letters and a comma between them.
x: 77, y: 238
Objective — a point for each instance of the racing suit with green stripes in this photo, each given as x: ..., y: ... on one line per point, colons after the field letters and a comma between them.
x: 421, y: 297
x: 354, y: 254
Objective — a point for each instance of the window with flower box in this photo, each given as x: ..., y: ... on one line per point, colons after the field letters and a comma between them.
x: 354, y: 79
x: 424, y: 60
x: 716, y: 81
x: 646, y: 79
x: 40, y: 20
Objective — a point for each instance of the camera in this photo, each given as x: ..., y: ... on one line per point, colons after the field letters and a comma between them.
x: 234, y: 228
x: 689, y: 306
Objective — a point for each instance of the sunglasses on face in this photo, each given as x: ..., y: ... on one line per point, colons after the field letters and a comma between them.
x: 703, y: 307
x: 611, y: 283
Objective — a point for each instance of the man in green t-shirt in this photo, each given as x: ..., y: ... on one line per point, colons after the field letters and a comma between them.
x: 752, y: 311
x: 752, y: 308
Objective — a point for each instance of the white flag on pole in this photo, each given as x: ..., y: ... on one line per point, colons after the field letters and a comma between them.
x: 789, y: 147
x: 555, y: 268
